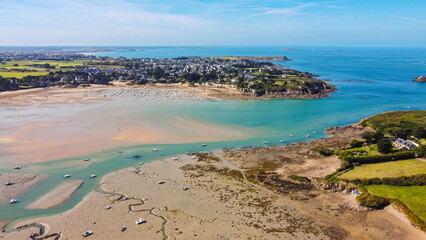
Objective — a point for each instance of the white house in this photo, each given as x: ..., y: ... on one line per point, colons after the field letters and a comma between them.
x: 401, y: 143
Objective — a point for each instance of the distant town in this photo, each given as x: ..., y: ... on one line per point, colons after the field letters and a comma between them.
x: 20, y: 69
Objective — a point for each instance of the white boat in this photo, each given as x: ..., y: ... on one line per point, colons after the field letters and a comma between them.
x: 185, y: 188
x: 203, y: 145
x: 93, y: 176
x: 175, y: 158
x: 161, y: 182
x: 265, y: 142
x: 67, y: 175
x: 307, y: 135
x: 120, y: 151
x: 140, y: 163
x: 281, y: 141
x: 18, y: 166
x: 315, y: 132
x: 140, y: 221
x: 275, y: 132
x: 8, y: 183
x: 13, y: 201
x: 155, y: 150
x: 87, y: 233
x: 108, y: 207
x: 86, y: 159
x: 291, y: 135
x: 194, y: 157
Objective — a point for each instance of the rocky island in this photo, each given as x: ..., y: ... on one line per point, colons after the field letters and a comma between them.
x: 420, y: 79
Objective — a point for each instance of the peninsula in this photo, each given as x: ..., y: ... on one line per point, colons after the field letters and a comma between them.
x: 236, y: 78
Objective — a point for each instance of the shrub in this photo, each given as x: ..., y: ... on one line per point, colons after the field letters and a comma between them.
x: 371, y: 201
x: 355, y: 143
x: 378, y: 158
x: 384, y: 146
x: 324, y: 151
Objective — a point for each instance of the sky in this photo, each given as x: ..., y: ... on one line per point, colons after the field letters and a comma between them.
x: 372, y: 23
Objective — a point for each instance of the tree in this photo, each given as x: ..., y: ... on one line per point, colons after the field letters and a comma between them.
x: 368, y: 136
x: 384, y: 146
x: 355, y: 143
x: 421, y: 151
x: 158, y: 73
x: 378, y: 136
x: 419, y: 132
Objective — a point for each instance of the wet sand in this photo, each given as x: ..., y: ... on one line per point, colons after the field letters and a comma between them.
x: 220, y: 204
x: 21, y: 184
x: 57, y: 196
x: 54, y: 123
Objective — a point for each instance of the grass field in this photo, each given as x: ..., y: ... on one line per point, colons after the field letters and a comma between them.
x: 387, y: 169
x: 21, y: 74
x: 412, y: 196
x: 389, y: 118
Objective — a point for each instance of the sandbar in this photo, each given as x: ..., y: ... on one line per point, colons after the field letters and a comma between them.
x: 57, y: 196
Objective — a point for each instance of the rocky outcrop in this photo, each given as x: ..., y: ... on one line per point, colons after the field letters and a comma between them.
x: 420, y: 79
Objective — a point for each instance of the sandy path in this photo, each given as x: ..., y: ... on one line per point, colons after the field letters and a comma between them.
x: 21, y: 184
x: 57, y: 196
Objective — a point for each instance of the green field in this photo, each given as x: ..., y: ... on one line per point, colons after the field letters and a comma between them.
x: 412, y: 196
x: 394, y: 118
x: 8, y: 70
x: 21, y: 74
x: 387, y: 169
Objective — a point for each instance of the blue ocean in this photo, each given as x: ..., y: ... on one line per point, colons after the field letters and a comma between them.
x: 369, y: 81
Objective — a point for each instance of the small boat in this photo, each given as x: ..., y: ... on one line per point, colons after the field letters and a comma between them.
x: 155, y: 150
x: 67, y: 175
x: 315, y: 132
x: 123, y: 228
x: 203, y: 145
x: 93, y: 176
x: 140, y: 163
x: 265, y: 142
x: 194, y: 157
x: 291, y: 135
x: 307, y: 135
x: 108, y: 207
x: 281, y: 141
x: 120, y: 151
x: 185, y: 188
x: 175, y: 158
x: 18, y: 166
x: 13, y: 201
x: 276, y: 132
x: 8, y: 183
x: 161, y: 182
x: 86, y: 159
x: 87, y: 233
x: 140, y: 221
x: 133, y: 170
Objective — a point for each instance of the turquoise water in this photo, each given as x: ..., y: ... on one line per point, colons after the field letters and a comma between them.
x: 382, y: 83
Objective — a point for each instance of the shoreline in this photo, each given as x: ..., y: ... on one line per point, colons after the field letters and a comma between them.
x: 219, y: 92
x: 221, y: 180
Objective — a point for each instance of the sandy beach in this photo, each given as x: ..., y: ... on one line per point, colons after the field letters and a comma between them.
x: 240, y: 206
x: 54, y: 123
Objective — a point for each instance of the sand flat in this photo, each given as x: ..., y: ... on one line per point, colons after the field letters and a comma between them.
x: 21, y: 184
x: 57, y: 196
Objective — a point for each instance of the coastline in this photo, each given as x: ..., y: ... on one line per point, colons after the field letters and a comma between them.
x: 238, y: 206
